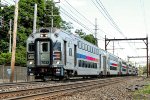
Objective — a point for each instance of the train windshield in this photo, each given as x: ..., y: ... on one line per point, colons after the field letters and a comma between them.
x: 45, y: 47
x: 57, y: 46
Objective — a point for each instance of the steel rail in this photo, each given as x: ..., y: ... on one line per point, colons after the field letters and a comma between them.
x: 36, y: 92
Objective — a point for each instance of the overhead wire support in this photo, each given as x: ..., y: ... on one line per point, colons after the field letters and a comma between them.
x: 96, y: 31
x: 145, y: 40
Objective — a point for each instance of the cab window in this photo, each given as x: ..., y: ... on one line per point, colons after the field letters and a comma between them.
x: 45, y: 47
x: 31, y: 47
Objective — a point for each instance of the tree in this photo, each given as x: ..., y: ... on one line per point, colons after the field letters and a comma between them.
x: 67, y: 26
x: 25, y: 24
x: 90, y: 38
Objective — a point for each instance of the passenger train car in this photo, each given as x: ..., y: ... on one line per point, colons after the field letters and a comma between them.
x: 59, y: 54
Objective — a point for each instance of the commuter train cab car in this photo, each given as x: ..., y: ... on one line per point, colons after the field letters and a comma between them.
x: 59, y: 54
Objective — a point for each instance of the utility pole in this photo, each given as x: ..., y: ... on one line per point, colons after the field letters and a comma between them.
x: 148, y: 71
x: 35, y: 18
x: 10, y: 24
x: 52, y: 14
x: 96, y: 31
x: 14, y: 41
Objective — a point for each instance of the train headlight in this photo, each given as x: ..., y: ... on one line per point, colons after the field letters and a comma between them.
x: 46, y: 35
x: 57, y: 62
x: 31, y: 62
x: 41, y: 35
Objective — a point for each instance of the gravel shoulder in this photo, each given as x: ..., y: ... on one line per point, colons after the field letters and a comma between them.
x: 118, y: 91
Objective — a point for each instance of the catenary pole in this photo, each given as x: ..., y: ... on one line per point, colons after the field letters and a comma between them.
x: 96, y: 31
x: 14, y: 41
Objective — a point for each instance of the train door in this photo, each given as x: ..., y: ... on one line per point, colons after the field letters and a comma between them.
x: 104, y: 65
x: 100, y: 62
x: 43, y: 53
x: 120, y: 68
x: 65, y: 52
x: 75, y: 55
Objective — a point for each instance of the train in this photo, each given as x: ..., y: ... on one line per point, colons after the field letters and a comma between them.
x: 55, y: 53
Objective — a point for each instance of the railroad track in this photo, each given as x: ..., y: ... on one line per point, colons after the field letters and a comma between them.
x: 33, y: 84
x: 58, y: 90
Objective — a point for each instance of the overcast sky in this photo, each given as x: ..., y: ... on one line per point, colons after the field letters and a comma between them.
x: 131, y: 16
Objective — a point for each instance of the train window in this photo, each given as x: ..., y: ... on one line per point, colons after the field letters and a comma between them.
x: 86, y: 47
x: 31, y: 47
x: 113, y: 68
x: 83, y: 63
x: 57, y: 46
x: 92, y: 49
x: 70, y: 51
x: 95, y: 65
x: 123, y: 69
x: 91, y: 65
x: 79, y: 45
x: 97, y: 51
x: 129, y: 70
x: 86, y: 64
x: 45, y: 47
x: 83, y: 46
x: 80, y: 63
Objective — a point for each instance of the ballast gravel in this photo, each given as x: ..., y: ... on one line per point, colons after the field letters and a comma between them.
x: 117, y: 91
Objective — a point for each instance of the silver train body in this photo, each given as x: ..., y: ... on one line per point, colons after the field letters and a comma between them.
x: 61, y: 54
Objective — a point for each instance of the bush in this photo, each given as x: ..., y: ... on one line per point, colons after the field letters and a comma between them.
x: 5, y: 58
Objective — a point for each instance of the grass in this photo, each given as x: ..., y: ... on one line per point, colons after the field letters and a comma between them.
x: 142, y: 94
x: 145, y: 90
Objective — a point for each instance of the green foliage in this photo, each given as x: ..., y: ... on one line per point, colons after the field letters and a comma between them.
x: 90, y: 38
x: 25, y: 25
x: 67, y: 26
x: 146, y: 90
x: 5, y: 58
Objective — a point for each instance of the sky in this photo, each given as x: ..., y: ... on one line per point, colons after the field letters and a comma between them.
x: 131, y: 16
